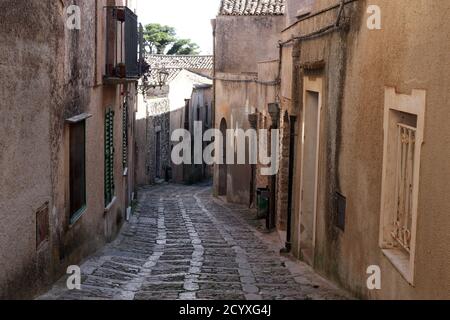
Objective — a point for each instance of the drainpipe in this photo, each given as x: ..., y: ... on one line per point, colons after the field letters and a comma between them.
x: 213, y: 107
x: 292, y: 123
x: 274, y: 111
x: 253, y: 120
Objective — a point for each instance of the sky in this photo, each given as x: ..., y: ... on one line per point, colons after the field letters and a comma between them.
x: 190, y: 18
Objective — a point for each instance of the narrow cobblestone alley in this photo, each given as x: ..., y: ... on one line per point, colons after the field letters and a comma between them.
x: 184, y: 244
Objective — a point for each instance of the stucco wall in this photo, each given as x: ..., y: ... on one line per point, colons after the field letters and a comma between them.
x: 246, y: 48
x: 293, y: 7
x: 237, y: 96
x: 243, y: 41
x: 27, y: 61
x: 49, y: 74
x: 181, y: 88
x: 408, y: 53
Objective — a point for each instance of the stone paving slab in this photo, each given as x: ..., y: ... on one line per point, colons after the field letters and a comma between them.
x: 184, y: 244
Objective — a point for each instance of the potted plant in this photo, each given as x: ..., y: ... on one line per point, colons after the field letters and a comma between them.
x: 121, y: 70
x: 120, y: 14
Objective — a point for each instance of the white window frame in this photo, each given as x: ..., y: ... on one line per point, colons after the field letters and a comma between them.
x: 413, y: 104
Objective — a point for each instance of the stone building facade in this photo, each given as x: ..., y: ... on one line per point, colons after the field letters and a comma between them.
x: 160, y: 109
x: 196, y: 115
x: 57, y: 111
x: 243, y: 50
x: 363, y: 112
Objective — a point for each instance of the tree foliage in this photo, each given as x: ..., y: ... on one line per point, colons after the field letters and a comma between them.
x: 162, y: 39
x: 184, y: 46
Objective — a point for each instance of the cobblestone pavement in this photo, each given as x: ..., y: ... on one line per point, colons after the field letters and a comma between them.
x: 184, y: 244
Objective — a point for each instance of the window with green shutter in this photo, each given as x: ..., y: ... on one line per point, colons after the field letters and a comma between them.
x: 125, y: 135
x: 109, y: 157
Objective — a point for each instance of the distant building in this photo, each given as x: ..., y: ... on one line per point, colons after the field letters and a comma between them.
x: 160, y: 109
x: 196, y: 115
x: 246, y: 65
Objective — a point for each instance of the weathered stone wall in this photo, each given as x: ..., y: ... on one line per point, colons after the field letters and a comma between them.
x: 49, y: 74
x: 28, y: 77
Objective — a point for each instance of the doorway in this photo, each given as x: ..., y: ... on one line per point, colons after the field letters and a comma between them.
x: 310, y: 168
x: 223, y: 168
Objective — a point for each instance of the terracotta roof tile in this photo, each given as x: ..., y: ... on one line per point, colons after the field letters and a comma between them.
x: 252, y: 7
x: 173, y: 64
x: 180, y: 62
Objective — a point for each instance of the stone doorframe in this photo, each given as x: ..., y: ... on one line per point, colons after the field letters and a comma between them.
x: 311, y: 84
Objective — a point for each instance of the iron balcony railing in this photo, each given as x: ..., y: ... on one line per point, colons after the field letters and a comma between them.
x: 122, y: 44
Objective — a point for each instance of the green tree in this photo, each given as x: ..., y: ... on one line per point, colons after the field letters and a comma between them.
x: 183, y: 47
x: 158, y: 37
x: 161, y: 39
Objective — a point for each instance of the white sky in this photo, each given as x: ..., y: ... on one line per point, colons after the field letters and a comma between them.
x: 190, y: 18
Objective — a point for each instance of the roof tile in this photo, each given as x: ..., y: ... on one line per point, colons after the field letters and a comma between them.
x: 189, y: 62
x: 173, y: 64
x: 252, y: 7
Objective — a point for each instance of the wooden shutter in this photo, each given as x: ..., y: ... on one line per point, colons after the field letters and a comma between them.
x: 109, y: 156
x: 125, y: 135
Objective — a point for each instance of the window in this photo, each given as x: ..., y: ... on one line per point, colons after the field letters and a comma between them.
x: 404, y: 123
x: 109, y: 157
x: 122, y: 43
x: 77, y: 167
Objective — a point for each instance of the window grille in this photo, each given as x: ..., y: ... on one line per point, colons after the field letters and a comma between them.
x: 401, y: 229
x: 404, y: 122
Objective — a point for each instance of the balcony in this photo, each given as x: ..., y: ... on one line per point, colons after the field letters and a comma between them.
x: 122, y: 46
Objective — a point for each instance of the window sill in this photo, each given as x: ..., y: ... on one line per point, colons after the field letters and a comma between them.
x: 79, y: 118
x: 77, y: 216
x: 110, y: 205
x: 116, y: 80
x: 401, y: 262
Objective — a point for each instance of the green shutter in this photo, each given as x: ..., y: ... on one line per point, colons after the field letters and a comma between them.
x: 109, y: 156
x: 125, y: 135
